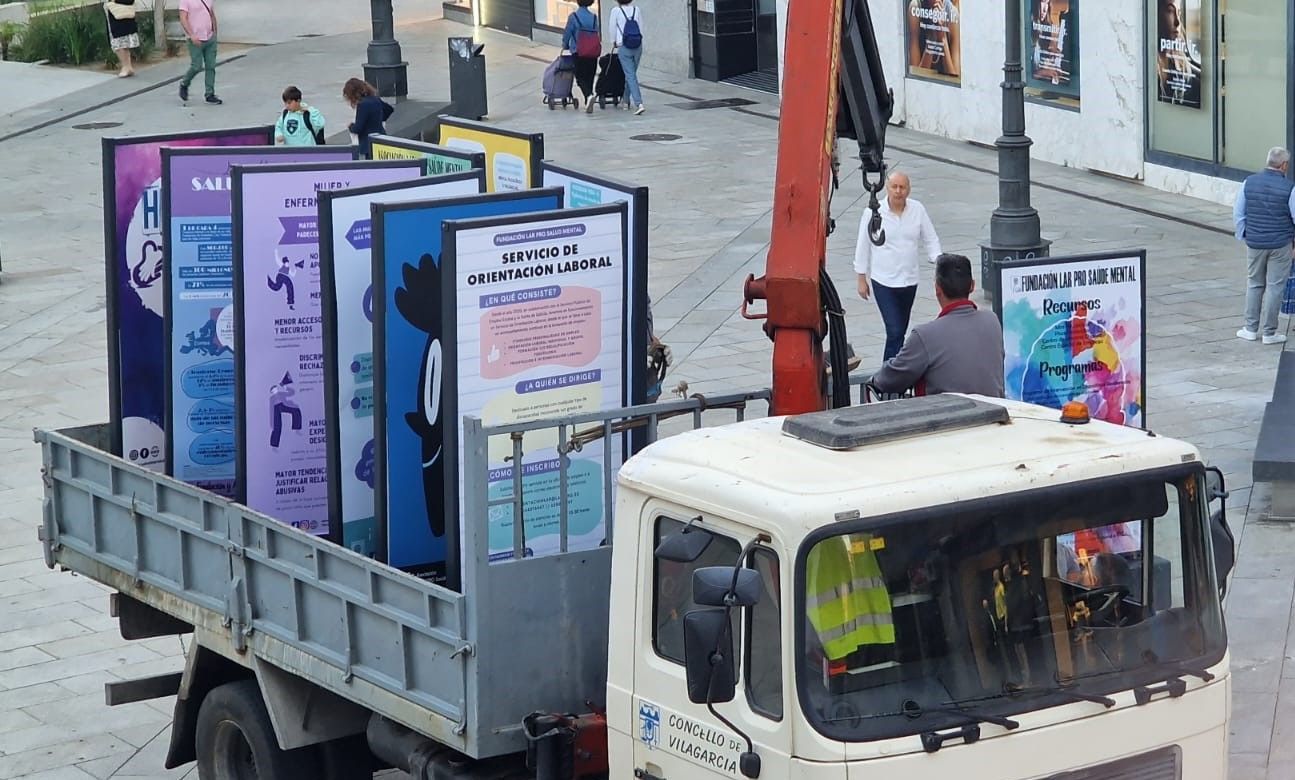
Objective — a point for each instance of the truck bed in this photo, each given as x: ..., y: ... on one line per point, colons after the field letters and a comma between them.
x: 252, y: 586
x: 462, y: 668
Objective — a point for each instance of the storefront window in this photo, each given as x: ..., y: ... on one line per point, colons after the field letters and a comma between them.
x: 1181, y: 77
x: 1217, y: 80
x: 554, y: 13
x: 1254, y: 103
x: 1052, y: 51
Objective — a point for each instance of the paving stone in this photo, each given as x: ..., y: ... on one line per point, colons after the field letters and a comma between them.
x: 61, y: 755
x: 104, y: 768
x: 38, y: 635
x: 68, y: 667
x: 1248, y: 766
x: 62, y: 773
x: 147, y: 762
x: 1251, y: 728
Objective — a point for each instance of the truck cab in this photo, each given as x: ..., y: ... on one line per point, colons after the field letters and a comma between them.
x: 937, y: 587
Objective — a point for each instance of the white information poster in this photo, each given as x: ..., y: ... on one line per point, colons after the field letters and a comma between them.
x: 347, y: 272
x: 1074, y: 329
x: 539, y: 311
x: 584, y: 190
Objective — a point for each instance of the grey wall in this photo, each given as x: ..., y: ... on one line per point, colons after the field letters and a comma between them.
x: 666, y: 31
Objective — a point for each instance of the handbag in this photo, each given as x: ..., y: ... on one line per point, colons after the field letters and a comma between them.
x: 120, y: 10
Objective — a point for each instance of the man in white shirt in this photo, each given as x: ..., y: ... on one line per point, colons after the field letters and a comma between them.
x: 889, y: 272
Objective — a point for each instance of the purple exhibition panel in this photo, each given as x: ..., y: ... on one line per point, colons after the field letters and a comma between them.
x: 199, y: 304
x: 279, y: 335
x: 132, y: 216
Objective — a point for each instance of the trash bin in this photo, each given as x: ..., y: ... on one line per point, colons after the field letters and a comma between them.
x: 467, y: 78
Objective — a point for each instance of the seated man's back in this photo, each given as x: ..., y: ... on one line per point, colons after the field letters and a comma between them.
x: 960, y: 351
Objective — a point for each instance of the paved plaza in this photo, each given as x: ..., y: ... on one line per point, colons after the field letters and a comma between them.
x: 711, y: 191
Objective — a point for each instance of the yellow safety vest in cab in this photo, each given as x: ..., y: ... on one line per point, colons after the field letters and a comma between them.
x: 848, y: 604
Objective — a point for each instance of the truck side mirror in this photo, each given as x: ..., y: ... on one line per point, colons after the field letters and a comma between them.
x: 684, y: 546
x: 713, y: 586
x: 1225, y: 554
x: 708, y: 655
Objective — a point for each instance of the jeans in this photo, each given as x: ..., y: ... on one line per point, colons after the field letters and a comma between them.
x: 630, y: 59
x: 202, y: 57
x: 896, y: 305
x: 1266, y: 281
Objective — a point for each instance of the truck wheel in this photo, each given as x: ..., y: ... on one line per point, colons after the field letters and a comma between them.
x: 235, y: 739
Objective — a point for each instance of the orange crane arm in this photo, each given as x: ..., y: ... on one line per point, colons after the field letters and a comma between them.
x: 832, y: 84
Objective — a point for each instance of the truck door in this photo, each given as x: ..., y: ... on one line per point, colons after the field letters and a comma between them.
x: 674, y: 738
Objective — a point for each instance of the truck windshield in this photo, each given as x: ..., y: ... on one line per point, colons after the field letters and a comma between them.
x: 1006, y: 605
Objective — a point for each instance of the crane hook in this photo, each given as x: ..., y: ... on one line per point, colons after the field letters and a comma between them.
x: 875, y: 232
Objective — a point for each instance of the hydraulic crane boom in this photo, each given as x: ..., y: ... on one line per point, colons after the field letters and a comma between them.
x: 833, y: 85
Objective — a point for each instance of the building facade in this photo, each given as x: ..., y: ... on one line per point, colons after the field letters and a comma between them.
x: 711, y: 39
x: 1186, y: 95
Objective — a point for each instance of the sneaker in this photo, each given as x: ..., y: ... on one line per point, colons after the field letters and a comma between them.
x: 215, y: 101
x: 589, y: 105
x: 1275, y: 338
x: 640, y: 110
x: 184, y: 92
x: 1247, y: 334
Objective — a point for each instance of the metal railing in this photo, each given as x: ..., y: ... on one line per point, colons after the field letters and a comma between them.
x: 620, y: 430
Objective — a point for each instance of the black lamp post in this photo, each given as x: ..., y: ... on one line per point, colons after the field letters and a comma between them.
x: 385, y: 68
x: 1014, y: 225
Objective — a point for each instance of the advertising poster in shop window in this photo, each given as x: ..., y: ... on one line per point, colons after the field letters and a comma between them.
x: 1052, y: 47
x: 1074, y: 329
x: 934, y: 40
x: 1178, y: 52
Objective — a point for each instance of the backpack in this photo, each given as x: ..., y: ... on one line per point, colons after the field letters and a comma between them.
x: 589, y: 43
x: 631, y: 35
x: 318, y: 135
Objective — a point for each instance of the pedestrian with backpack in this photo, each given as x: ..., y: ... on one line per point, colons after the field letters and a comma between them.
x: 299, y: 124
x: 627, y: 19
x: 371, y: 112
x: 582, y: 38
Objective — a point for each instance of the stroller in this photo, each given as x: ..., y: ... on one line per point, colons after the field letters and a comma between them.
x: 610, y: 86
x: 559, y: 77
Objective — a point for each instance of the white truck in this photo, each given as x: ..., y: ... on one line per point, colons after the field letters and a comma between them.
x: 924, y: 588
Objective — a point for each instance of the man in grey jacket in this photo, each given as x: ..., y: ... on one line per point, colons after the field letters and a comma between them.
x: 960, y: 351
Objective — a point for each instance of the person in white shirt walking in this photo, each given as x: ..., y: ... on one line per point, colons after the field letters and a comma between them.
x: 627, y: 21
x: 888, y: 272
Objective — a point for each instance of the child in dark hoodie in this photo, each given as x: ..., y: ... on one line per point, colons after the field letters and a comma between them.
x: 371, y: 111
